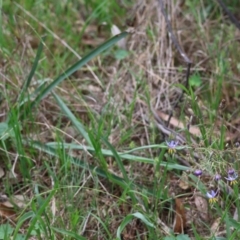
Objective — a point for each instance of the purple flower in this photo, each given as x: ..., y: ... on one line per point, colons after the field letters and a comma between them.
x: 231, y: 171
x: 217, y: 177
x: 232, y: 176
x: 198, y: 172
x: 172, y: 144
x: 212, y: 196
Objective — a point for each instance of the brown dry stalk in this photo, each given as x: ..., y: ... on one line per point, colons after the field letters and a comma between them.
x: 180, y: 217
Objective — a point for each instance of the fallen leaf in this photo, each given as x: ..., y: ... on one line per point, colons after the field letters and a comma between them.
x: 235, y: 215
x: 215, y: 226
x: 15, y: 200
x: 11, y: 175
x: 2, y: 173
x: 178, y: 124
x: 115, y: 31
x: 7, y: 205
x: 19, y: 200
x: 7, y: 213
x: 184, y: 183
x: 180, y: 217
x: 92, y: 41
x: 202, y: 207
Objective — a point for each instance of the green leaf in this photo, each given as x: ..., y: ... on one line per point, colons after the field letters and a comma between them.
x: 5, y: 131
x: 21, y: 221
x: 234, y: 223
x: 169, y: 238
x: 34, y: 67
x: 5, y: 230
x: 129, y: 218
x: 183, y: 237
x: 20, y: 237
x: 3, y: 128
x: 121, y: 54
x: 68, y: 233
x: 195, y: 80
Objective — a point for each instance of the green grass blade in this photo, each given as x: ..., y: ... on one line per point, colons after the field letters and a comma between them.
x: 39, y: 213
x: 34, y: 67
x: 73, y: 119
x: 78, y: 65
x: 68, y: 233
x: 128, y: 219
x: 123, y: 155
x: 121, y: 167
x: 103, y: 225
x: 26, y: 216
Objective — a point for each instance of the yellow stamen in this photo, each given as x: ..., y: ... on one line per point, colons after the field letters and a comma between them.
x: 213, y: 200
x: 233, y: 182
x: 171, y: 151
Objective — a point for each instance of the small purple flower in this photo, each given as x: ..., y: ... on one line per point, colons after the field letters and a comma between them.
x: 212, y: 196
x: 217, y: 177
x: 172, y: 144
x: 232, y: 176
x: 231, y: 171
x: 198, y: 172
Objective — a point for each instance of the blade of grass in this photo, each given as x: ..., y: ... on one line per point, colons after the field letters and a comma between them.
x: 21, y: 221
x: 76, y: 66
x: 34, y: 67
x: 96, y: 142
x: 128, y: 219
x: 39, y: 213
x: 68, y: 233
x: 121, y: 167
x: 103, y: 225
x: 73, y: 119
x: 130, y: 157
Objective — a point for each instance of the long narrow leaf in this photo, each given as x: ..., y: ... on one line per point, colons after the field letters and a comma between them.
x: 39, y: 213
x: 24, y: 111
x: 78, y: 65
x: 73, y: 119
x: 121, y: 167
x: 34, y: 67
x: 126, y: 156
x: 25, y: 217
x: 68, y: 233
x: 128, y: 219
x: 35, y: 63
